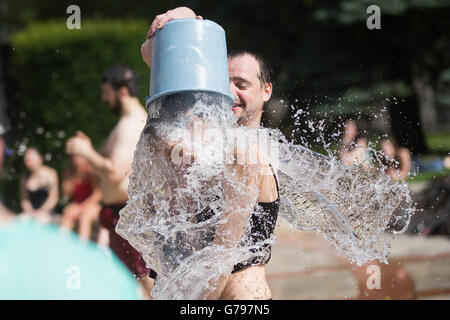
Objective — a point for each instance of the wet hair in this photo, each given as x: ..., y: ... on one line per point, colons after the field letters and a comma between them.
x: 122, y: 76
x: 265, y: 70
x: 170, y: 106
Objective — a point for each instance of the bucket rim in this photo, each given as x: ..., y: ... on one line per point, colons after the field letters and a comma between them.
x: 209, y: 22
x: 150, y: 99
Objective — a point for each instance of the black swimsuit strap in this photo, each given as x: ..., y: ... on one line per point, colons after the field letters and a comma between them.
x: 275, y: 177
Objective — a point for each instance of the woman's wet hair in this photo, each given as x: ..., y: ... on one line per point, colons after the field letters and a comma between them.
x: 175, y: 104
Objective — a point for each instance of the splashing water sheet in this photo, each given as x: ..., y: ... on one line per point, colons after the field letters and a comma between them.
x: 190, y: 201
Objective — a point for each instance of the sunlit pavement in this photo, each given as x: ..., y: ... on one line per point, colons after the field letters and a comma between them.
x: 304, y: 266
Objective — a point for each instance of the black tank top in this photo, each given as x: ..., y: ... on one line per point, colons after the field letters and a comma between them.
x: 262, y: 226
x: 38, y: 197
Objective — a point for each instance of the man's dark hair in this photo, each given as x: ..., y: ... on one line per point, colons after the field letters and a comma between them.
x: 122, y: 76
x: 265, y: 70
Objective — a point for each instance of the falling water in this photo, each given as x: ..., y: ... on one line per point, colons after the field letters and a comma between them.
x: 188, y: 209
x: 349, y: 206
x: 176, y: 205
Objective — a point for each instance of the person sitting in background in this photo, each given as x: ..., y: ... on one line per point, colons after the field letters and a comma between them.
x: 38, y: 187
x: 81, y: 186
x: 397, y: 160
x: 353, y: 149
x: 113, y: 166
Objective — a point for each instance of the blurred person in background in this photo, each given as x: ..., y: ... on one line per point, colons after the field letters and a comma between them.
x: 353, y: 149
x: 81, y: 187
x: 113, y: 166
x: 50, y: 255
x: 397, y: 160
x: 38, y: 187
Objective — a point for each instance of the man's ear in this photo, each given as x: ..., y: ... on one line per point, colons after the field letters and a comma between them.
x: 267, y: 91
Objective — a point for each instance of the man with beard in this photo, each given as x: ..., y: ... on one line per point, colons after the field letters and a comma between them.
x: 113, y: 165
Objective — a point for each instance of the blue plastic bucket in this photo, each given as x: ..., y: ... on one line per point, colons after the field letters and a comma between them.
x: 189, y: 55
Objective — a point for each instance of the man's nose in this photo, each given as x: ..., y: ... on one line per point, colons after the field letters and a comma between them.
x: 233, y: 90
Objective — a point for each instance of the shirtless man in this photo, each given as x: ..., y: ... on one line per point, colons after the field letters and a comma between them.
x: 251, y: 86
x: 113, y: 166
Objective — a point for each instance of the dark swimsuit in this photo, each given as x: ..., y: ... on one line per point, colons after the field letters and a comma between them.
x: 38, y: 197
x: 262, y: 226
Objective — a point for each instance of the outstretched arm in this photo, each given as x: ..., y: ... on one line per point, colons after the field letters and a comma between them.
x: 157, y: 24
x: 114, y: 168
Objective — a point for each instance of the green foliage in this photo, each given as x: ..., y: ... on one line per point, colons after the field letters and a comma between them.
x: 428, y: 176
x: 58, y: 76
x: 438, y: 142
x: 351, y: 11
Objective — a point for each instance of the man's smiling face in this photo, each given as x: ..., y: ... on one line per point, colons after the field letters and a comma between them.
x: 249, y: 93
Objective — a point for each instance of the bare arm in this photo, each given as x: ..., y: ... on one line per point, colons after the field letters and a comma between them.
x: 103, y: 237
x: 405, y: 162
x: 114, y: 168
x: 105, y: 168
x: 67, y: 184
x: 24, y: 201
x: 350, y: 132
x: 53, y: 195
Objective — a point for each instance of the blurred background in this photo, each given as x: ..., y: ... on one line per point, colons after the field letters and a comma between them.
x: 393, y: 82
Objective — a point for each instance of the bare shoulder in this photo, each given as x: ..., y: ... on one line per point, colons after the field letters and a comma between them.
x: 51, y: 171
x: 131, y: 124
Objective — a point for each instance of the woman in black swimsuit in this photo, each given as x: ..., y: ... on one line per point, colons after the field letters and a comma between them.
x: 38, y: 187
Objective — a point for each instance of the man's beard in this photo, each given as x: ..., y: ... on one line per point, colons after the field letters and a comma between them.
x: 117, y: 107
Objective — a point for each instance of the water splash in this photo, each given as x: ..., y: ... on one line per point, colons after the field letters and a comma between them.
x: 349, y: 206
x: 188, y: 214
x: 181, y: 217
